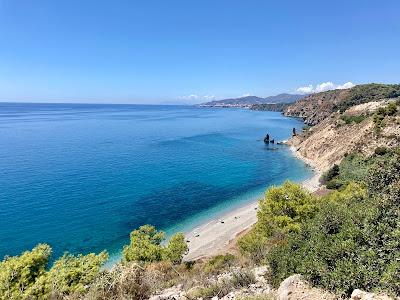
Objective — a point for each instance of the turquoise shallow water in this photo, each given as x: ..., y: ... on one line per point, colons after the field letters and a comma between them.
x: 81, y: 177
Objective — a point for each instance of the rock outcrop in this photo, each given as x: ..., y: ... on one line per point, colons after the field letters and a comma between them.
x: 296, y: 288
x: 292, y: 288
x: 316, y: 107
x: 361, y: 295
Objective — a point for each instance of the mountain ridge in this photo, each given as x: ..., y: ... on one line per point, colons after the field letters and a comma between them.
x: 248, y: 101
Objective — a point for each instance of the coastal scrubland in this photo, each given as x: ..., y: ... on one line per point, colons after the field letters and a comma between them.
x: 342, y: 238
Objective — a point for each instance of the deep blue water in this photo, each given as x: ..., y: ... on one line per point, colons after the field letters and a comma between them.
x: 81, y: 177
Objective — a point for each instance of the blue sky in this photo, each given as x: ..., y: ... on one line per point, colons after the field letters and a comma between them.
x: 165, y: 51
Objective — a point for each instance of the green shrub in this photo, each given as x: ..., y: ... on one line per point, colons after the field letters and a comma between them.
x: 22, y: 277
x: 209, y: 291
x: 330, y: 174
x: 281, y: 212
x: 353, y: 241
x: 383, y: 174
x: 242, y: 278
x: 284, y: 208
x: 354, y: 167
x: 353, y: 119
x: 391, y: 109
x: 381, y: 113
x: 123, y: 281
x: 267, y: 296
x: 326, y: 251
x: 145, y: 246
x: 334, y: 184
x: 253, y: 245
x: 352, y: 192
x: 219, y: 263
x: 176, y: 249
x: 391, y: 277
x: 72, y: 274
x: 220, y: 288
x: 26, y: 276
x: 381, y: 150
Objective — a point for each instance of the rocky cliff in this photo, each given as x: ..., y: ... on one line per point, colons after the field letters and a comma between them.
x: 316, y: 107
x: 356, y: 129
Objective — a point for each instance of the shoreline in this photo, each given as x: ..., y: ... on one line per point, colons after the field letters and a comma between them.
x: 216, y: 236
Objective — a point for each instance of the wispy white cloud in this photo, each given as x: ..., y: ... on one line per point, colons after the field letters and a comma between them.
x: 324, y: 86
x: 195, y: 97
x: 346, y: 85
x: 189, y: 97
x: 305, y: 89
x: 246, y: 95
x: 209, y: 97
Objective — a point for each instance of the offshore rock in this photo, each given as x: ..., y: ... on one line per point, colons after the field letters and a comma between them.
x: 361, y: 295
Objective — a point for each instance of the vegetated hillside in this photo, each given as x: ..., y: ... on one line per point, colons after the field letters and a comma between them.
x: 361, y: 128
x: 316, y: 107
x: 270, y: 106
x: 250, y: 100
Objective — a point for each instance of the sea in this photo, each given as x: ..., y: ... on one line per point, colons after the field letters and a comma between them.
x: 81, y: 177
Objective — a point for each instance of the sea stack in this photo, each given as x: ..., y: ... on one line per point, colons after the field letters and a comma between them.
x: 266, y: 139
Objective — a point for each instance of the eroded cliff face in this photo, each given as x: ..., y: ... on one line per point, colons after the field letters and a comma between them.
x: 316, y: 107
x: 332, y: 138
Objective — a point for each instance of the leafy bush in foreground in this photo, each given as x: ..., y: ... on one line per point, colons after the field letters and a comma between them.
x: 123, y: 281
x: 26, y: 276
x: 326, y: 251
x: 176, y: 248
x: 354, y: 239
x: 281, y: 212
x: 19, y: 274
x: 284, y: 208
x: 253, y: 245
x: 145, y: 246
x: 71, y: 274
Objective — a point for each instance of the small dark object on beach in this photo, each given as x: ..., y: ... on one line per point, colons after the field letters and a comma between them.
x: 187, y: 241
x: 222, y: 222
x: 197, y: 235
x: 294, y: 132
